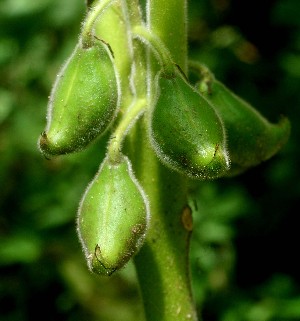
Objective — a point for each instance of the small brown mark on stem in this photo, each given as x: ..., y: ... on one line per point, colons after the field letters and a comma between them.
x: 187, y: 218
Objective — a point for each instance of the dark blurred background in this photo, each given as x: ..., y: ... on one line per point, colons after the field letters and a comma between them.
x: 245, y: 244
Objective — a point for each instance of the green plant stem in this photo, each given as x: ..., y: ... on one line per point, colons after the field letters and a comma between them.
x: 132, y: 16
x: 167, y: 19
x: 131, y: 115
x: 163, y: 264
x: 139, y: 69
x: 88, y: 26
x: 162, y: 53
x: 112, y: 28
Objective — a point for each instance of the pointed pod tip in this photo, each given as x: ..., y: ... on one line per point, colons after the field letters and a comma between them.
x: 43, y: 139
x: 218, y: 164
x: 43, y: 144
x: 97, y: 265
x: 54, y: 143
x: 285, y: 124
x: 47, y: 147
x: 279, y: 135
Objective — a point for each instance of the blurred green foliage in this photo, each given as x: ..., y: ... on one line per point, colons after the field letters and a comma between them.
x: 244, y: 254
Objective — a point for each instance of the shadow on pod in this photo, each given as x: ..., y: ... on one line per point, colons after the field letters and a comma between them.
x: 112, y: 218
x: 186, y: 132
x: 83, y: 101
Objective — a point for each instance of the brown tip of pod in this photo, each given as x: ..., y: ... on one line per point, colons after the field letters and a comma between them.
x: 43, y: 144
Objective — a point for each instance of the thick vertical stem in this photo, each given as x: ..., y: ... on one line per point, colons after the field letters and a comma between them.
x: 163, y: 264
x: 167, y: 19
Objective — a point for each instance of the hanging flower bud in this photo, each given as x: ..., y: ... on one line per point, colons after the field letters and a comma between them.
x: 112, y: 217
x: 186, y: 132
x: 83, y: 102
x: 251, y: 138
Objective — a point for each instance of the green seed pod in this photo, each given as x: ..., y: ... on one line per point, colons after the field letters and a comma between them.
x: 83, y: 101
x: 112, y: 217
x: 186, y: 132
x: 251, y: 138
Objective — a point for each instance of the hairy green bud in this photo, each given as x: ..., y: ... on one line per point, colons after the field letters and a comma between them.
x: 186, y: 132
x: 83, y: 101
x: 112, y: 217
x: 251, y: 138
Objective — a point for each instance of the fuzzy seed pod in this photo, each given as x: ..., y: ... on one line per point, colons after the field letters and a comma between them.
x: 83, y: 101
x: 186, y: 132
x: 112, y: 217
x: 251, y: 138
